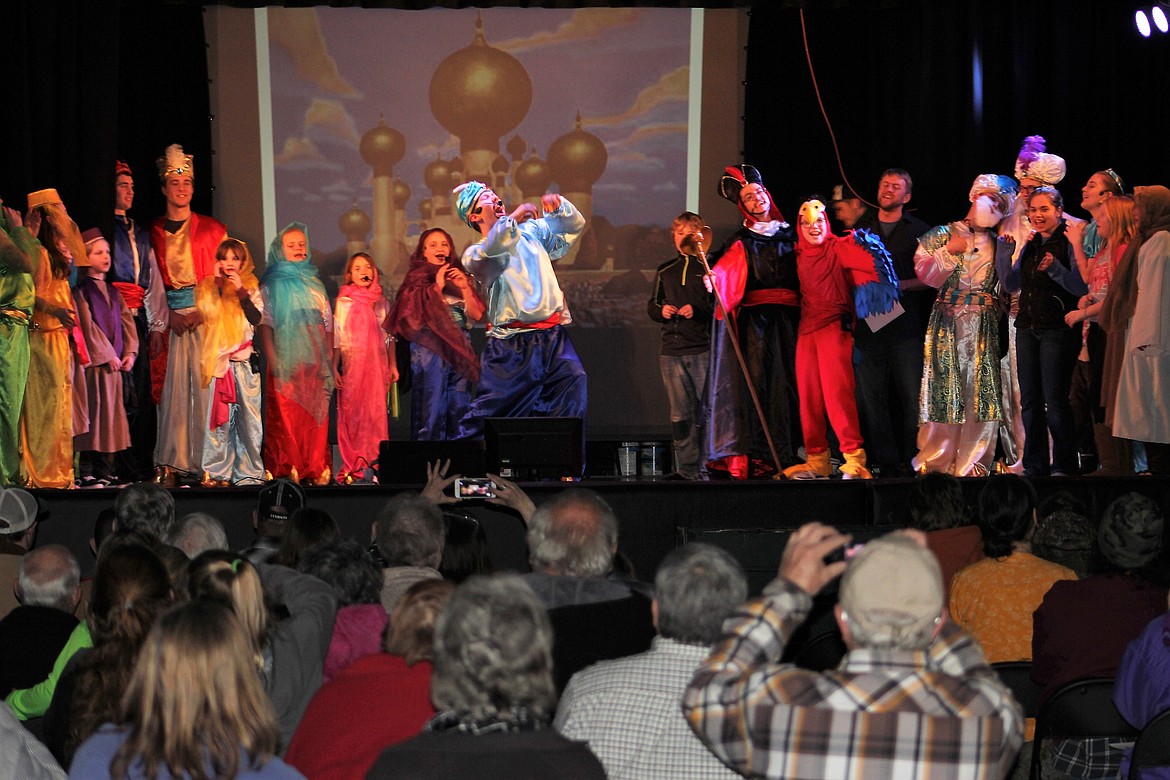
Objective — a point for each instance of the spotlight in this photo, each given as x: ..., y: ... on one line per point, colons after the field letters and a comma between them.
x: 1159, y: 17
x: 1143, y: 23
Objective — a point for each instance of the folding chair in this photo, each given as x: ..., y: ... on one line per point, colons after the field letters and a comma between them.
x: 1017, y: 676
x: 1079, y: 710
x: 1152, y: 747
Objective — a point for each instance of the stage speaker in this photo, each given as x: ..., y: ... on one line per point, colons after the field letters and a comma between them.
x: 405, y: 462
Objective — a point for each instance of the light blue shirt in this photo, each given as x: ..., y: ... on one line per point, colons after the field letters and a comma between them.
x: 514, y: 264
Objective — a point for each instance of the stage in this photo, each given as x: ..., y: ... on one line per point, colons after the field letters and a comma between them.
x: 749, y: 518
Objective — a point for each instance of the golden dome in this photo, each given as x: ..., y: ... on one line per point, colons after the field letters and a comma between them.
x: 437, y: 176
x: 425, y: 210
x: 401, y: 193
x: 516, y: 147
x: 500, y: 164
x: 354, y: 224
x: 382, y: 147
x: 577, y: 159
x: 479, y: 93
x: 533, y: 177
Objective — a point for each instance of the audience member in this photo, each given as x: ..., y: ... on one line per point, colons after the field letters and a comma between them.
x: 18, y: 521
x: 33, y: 702
x: 493, y: 686
x: 308, y: 529
x: 18, y: 533
x: 994, y: 599
x: 290, y: 652
x: 356, y: 580
x: 465, y: 548
x: 378, y: 700
x: 275, y: 504
x: 1065, y: 537
x: 409, y: 534
x: 22, y: 756
x: 193, y: 708
x: 914, y: 697
x: 34, y: 633
x: 627, y: 709
x: 1141, y: 690
x: 131, y: 589
x: 145, y: 507
x: 1082, y: 627
x: 571, y: 544
x: 937, y: 508
x: 197, y: 533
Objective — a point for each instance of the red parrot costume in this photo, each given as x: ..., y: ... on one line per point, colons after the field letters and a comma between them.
x: 841, y: 277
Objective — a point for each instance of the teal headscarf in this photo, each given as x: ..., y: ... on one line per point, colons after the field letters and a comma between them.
x: 465, y: 197
x: 296, y: 317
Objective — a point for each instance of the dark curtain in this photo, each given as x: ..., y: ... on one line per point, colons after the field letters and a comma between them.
x: 899, y: 87
x: 88, y: 83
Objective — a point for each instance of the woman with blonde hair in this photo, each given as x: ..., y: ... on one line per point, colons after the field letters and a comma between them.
x: 290, y: 651
x: 194, y: 707
x: 1116, y: 228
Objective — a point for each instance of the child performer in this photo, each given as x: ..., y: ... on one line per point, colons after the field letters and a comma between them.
x: 364, y: 366
x: 435, y: 307
x: 296, y: 339
x: 684, y: 307
x: 230, y: 304
x: 112, y: 342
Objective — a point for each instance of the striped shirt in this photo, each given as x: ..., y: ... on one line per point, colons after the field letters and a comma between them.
x: 937, y: 713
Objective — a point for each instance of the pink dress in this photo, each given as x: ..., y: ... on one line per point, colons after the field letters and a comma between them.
x: 365, y: 372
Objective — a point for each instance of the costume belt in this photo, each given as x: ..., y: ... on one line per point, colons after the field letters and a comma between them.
x: 182, y: 298
x: 12, y: 316
x: 970, y: 298
x: 779, y: 295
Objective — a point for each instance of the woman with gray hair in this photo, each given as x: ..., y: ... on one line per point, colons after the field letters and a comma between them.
x: 493, y: 684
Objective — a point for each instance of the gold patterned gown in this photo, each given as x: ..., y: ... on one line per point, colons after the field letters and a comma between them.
x: 46, y: 425
x: 959, y: 406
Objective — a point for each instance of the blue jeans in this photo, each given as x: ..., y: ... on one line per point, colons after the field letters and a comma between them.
x: 685, y: 379
x: 1045, y: 359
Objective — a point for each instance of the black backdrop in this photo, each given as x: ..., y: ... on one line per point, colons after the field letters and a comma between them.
x: 897, y: 84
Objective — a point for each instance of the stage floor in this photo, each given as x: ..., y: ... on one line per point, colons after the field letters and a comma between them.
x: 749, y: 518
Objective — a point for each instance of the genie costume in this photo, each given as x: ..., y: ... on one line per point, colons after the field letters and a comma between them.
x: 529, y: 366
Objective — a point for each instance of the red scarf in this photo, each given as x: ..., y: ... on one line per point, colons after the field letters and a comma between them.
x: 421, y: 316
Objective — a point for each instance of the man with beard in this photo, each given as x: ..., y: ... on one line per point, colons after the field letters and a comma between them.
x: 756, y: 280
x: 888, y: 361
x: 529, y: 367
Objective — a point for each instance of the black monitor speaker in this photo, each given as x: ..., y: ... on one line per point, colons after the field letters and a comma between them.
x: 535, y: 449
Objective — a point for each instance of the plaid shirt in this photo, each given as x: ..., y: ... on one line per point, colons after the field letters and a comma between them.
x: 937, y: 713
